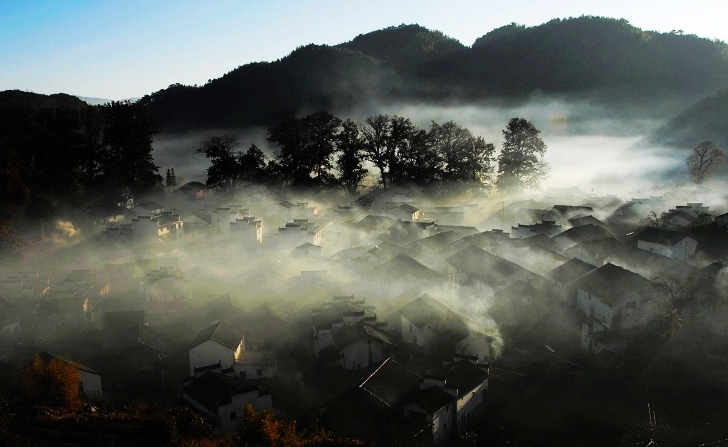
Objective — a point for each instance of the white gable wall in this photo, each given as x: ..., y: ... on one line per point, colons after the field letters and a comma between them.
x: 91, y: 384
x: 211, y: 352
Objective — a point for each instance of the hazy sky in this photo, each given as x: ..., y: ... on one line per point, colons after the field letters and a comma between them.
x: 127, y: 48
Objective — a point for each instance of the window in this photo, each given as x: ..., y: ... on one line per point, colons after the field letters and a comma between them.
x: 233, y: 416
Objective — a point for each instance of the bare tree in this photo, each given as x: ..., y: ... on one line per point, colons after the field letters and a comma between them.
x: 704, y: 157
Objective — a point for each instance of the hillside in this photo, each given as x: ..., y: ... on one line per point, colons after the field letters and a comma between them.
x: 585, y: 54
x: 706, y: 120
x: 606, y: 59
x: 314, y: 77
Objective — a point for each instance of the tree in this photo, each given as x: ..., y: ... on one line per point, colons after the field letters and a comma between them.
x: 265, y: 429
x: 127, y: 160
x: 51, y: 381
x: 467, y: 159
x: 306, y: 148
x: 519, y: 164
x: 376, y: 132
x: 252, y: 165
x: 417, y: 160
x: 224, y: 172
x: 13, y: 191
x: 349, y: 147
x: 702, y: 160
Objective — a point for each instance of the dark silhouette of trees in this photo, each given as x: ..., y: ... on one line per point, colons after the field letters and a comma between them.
x: 416, y: 161
x: 13, y: 190
x: 704, y: 157
x: 376, y: 132
x: 224, y: 172
x: 170, y: 179
x: 350, y: 146
x: 306, y: 146
x: 520, y: 163
x: 466, y: 159
x: 253, y: 167
x: 128, y: 135
x: 447, y: 153
x: 230, y: 168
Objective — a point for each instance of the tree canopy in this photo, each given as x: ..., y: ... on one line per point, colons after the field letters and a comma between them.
x: 701, y: 161
x: 520, y: 162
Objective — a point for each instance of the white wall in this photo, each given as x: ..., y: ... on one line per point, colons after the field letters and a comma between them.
x: 91, y: 384
x: 415, y: 335
x: 682, y: 250
x: 211, y: 352
x: 467, y: 403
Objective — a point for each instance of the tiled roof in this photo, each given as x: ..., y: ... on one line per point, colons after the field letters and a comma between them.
x: 221, y: 332
x: 391, y: 382
x: 587, y: 232
x: 661, y: 236
x: 570, y: 271
x: 425, y: 310
x: 463, y: 375
x: 431, y: 399
x: 483, y: 265
x: 403, y: 265
x: 613, y: 284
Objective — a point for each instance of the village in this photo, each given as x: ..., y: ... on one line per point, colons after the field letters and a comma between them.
x: 387, y: 317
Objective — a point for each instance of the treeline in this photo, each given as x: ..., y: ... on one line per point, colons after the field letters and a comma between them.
x: 321, y: 151
x: 66, y: 151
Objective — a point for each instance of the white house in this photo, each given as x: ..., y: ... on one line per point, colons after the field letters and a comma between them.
x: 222, y: 398
x: 547, y: 227
x: 346, y: 333
x: 424, y: 319
x: 404, y: 212
x: 427, y: 322
x: 148, y: 209
x: 221, y: 345
x: 483, y: 270
x: 612, y: 300
x: 448, y: 399
x: 307, y: 250
x: 298, y: 232
x: 217, y: 343
x: 672, y: 244
x: 157, y: 228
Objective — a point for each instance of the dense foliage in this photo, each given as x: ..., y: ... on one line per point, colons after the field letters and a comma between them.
x: 56, y: 150
x: 322, y: 151
x: 264, y: 429
x: 520, y: 163
x: 53, y: 382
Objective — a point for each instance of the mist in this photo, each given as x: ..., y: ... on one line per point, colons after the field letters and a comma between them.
x: 596, y: 148
x: 501, y: 277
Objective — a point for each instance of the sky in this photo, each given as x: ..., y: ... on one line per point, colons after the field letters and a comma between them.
x: 128, y: 48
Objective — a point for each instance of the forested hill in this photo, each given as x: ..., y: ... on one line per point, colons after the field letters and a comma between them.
x: 705, y: 121
x: 606, y: 58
